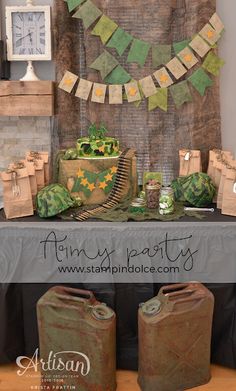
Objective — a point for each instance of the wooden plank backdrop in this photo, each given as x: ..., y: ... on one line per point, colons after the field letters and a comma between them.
x: 156, y: 135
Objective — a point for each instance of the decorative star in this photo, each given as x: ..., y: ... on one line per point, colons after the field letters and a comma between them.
x: 68, y: 82
x: 102, y: 148
x: 84, y: 182
x: 99, y: 92
x: 80, y: 173
x: 108, y: 177
x: 132, y: 91
x: 210, y: 34
x: 188, y: 58
x: 102, y: 185
x: 164, y: 78
x: 91, y: 186
x: 114, y: 170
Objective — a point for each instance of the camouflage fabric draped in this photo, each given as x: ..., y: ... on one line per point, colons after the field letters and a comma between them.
x: 156, y: 135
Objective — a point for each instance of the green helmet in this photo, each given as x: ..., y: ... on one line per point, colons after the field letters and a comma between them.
x: 52, y: 200
x: 197, y: 189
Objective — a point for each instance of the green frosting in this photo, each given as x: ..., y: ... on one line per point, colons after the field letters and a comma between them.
x: 104, y: 147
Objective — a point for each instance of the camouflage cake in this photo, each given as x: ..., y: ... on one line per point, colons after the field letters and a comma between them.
x: 101, y: 147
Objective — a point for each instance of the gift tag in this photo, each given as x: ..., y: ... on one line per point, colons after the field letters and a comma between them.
x: 234, y: 188
x: 187, y: 156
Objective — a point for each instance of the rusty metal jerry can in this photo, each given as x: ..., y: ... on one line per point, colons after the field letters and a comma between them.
x: 77, y: 341
x: 175, y: 337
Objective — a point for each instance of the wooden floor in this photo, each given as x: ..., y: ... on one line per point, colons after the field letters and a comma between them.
x: 222, y: 380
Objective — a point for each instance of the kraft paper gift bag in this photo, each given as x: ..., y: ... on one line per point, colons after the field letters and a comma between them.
x: 189, y: 162
x: 45, y: 157
x: 39, y: 168
x: 229, y: 193
x: 17, y: 196
x: 221, y: 188
x: 218, y: 167
x: 32, y: 177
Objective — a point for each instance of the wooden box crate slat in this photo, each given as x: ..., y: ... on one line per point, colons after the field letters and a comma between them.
x: 26, y: 98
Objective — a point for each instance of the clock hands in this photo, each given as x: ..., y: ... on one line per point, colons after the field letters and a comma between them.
x: 29, y: 33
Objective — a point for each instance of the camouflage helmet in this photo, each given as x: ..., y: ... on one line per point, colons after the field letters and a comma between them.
x: 52, y: 200
x: 197, y: 189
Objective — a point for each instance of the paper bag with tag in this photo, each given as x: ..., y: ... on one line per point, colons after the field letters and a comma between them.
x: 229, y: 193
x: 17, y: 196
x: 189, y: 162
x: 39, y: 164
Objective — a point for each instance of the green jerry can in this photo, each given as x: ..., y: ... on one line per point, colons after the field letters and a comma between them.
x: 77, y: 337
x: 175, y: 338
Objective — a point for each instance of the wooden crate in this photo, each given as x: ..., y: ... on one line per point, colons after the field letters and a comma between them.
x: 26, y: 98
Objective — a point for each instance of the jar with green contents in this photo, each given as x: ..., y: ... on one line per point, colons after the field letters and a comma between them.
x: 166, y: 201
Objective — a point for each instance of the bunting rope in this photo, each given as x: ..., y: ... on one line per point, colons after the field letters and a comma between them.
x: 119, y: 81
x: 115, y: 37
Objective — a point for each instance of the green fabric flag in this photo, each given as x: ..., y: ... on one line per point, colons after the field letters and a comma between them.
x: 118, y: 76
x: 161, y: 55
x: 213, y: 64
x: 88, y: 12
x: 200, y: 80
x: 120, y: 40
x: 181, y: 93
x: 178, y: 46
x: 72, y: 4
x: 138, y: 52
x: 160, y: 99
x: 104, y: 28
x: 105, y: 63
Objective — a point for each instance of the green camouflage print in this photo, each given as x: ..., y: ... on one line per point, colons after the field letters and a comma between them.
x: 197, y: 189
x: 52, y: 200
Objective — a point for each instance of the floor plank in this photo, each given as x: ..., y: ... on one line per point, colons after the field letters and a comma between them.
x: 222, y: 380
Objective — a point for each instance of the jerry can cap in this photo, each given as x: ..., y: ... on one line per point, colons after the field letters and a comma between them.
x: 102, y: 312
x: 151, y: 307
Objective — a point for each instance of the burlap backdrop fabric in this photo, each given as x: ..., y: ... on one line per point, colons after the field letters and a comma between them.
x: 156, y: 135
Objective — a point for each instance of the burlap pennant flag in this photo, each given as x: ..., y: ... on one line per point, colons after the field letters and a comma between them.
x: 181, y: 93
x: 176, y: 68
x: 213, y: 64
x: 115, y: 94
x: 161, y: 54
x: 120, y: 40
x: 105, y: 63
x: 68, y: 82
x: 179, y: 46
x: 132, y: 91
x: 148, y: 86
x: 187, y: 57
x: 160, y: 99
x: 209, y: 34
x: 118, y: 76
x: 200, y: 46
x: 217, y: 23
x: 73, y: 4
x: 99, y: 93
x: 138, y: 52
x: 104, y: 28
x: 163, y: 78
x: 200, y: 80
x: 84, y: 88
x: 89, y: 13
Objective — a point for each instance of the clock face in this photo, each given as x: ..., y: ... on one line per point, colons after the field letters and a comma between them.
x: 28, y: 33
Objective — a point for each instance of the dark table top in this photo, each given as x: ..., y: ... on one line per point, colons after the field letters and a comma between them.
x: 215, y: 217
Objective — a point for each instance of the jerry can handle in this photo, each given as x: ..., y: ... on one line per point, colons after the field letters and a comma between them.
x: 172, y: 288
x: 74, y: 294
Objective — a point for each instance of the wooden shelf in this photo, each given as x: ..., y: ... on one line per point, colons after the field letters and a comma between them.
x: 27, y: 98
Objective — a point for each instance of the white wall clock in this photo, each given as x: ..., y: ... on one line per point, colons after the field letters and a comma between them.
x: 28, y: 30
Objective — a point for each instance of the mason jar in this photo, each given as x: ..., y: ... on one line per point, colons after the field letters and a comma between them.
x: 166, y: 201
x: 152, y: 195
